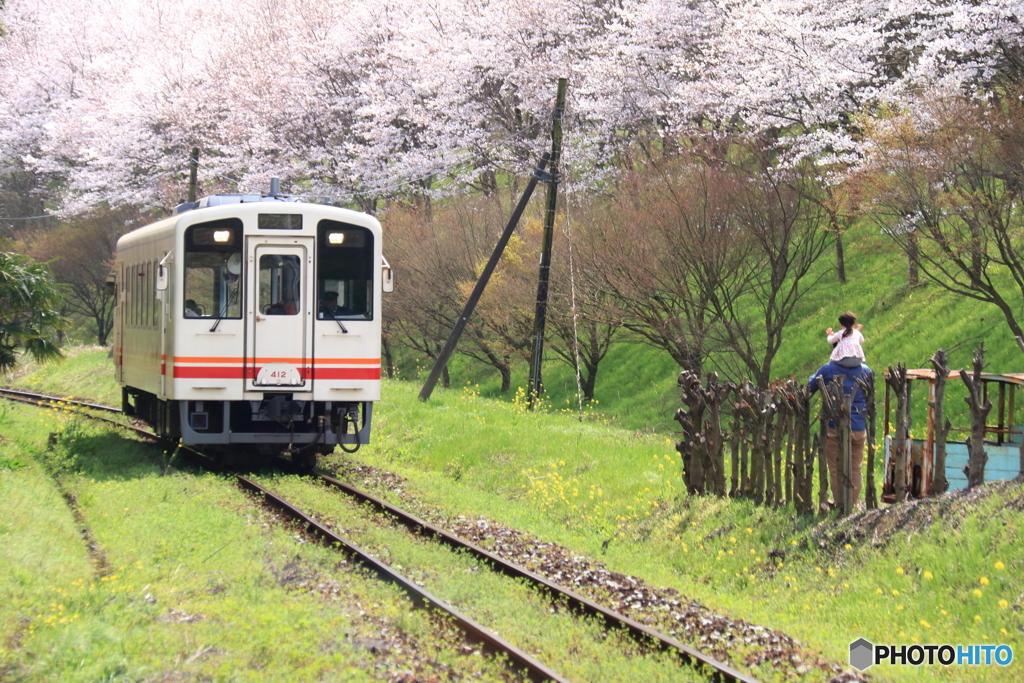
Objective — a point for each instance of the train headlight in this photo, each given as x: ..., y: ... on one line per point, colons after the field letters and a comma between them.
x: 336, y: 237
x: 221, y: 235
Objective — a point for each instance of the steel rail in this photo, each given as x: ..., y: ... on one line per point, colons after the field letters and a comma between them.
x: 46, y: 401
x: 14, y: 393
x: 719, y: 670
x: 517, y: 659
x: 492, y: 643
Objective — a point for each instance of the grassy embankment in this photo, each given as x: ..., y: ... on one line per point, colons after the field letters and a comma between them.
x: 181, y: 577
x: 187, y: 578
x: 637, y: 384
x: 945, y: 572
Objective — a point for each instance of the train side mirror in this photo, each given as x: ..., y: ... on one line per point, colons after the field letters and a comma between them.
x: 161, y: 273
x: 110, y: 287
x: 387, y: 276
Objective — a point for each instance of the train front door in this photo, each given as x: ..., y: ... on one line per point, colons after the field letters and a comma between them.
x: 279, y: 315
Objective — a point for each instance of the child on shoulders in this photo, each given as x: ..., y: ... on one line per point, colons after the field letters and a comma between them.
x: 847, y: 350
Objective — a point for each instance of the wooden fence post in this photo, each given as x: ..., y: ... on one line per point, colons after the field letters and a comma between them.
x: 867, y: 385
x: 714, y: 397
x: 790, y: 449
x: 693, y: 397
x: 778, y: 431
x: 834, y: 408
x: 736, y: 436
x: 897, y: 379
x: 802, y: 431
x: 979, y: 413
x: 940, y: 484
x: 822, y: 464
x: 845, y: 463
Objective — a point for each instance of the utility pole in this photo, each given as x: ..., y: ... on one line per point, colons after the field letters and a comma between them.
x: 193, y: 170
x: 544, y: 274
x: 485, y: 276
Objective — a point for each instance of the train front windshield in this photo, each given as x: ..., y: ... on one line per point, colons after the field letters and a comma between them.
x: 345, y: 269
x: 213, y: 267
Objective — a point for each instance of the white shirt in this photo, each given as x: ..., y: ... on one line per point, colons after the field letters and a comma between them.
x: 849, y: 345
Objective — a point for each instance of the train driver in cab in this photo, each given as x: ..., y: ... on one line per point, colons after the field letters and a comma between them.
x: 329, y: 307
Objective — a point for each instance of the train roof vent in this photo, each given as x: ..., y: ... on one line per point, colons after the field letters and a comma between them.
x: 223, y: 199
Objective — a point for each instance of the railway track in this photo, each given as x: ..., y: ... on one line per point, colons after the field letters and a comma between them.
x: 519, y: 660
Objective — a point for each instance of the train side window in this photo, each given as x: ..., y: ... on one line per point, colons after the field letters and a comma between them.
x: 345, y: 271
x: 154, y: 313
x: 213, y: 269
x: 146, y: 275
x: 133, y: 304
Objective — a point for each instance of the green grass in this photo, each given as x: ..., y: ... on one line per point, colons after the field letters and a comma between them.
x: 608, y: 486
x: 615, y: 494
x: 86, y: 372
x: 578, y: 649
x: 189, y: 579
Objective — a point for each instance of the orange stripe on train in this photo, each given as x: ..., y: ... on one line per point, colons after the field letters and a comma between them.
x: 238, y: 372
x: 263, y: 361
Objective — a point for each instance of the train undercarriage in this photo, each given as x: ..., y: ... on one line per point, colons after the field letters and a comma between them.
x: 249, y: 432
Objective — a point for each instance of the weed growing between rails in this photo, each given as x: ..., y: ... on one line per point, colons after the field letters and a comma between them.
x: 65, y: 440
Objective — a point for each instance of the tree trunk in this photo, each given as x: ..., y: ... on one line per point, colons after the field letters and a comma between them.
x: 389, y: 358
x: 840, y: 259
x: 913, y: 277
x: 588, y: 381
x: 734, y: 448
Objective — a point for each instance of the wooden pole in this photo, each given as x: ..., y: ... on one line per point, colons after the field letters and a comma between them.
x: 485, y: 276
x: 940, y: 425
x: 544, y: 274
x: 193, y: 172
x: 845, y: 455
x: 980, y: 407
x: 897, y: 379
x: 867, y: 385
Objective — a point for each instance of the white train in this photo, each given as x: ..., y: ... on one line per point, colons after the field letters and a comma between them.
x: 252, y: 322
